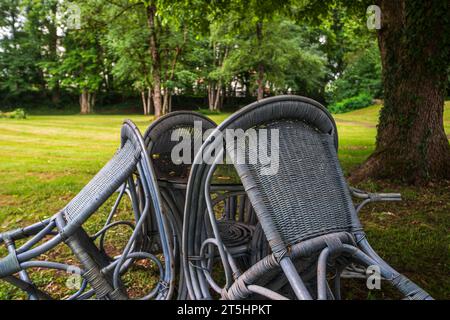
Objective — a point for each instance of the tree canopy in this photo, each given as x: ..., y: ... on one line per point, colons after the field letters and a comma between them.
x: 155, y: 49
x: 222, y: 51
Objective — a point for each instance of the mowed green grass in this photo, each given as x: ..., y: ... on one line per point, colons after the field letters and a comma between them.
x: 46, y: 160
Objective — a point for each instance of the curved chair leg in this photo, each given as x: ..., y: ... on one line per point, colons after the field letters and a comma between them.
x: 27, y: 287
x: 403, y: 284
x: 93, y: 261
x: 294, y: 279
x: 408, y: 288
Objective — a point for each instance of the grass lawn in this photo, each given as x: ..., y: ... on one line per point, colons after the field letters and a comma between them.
x: 46, y: 160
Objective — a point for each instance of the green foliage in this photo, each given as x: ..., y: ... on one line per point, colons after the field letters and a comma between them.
x: 126, y: 39
x: 201, y: 45
x: 80, y: 66
x: 354, y: 103
x: 362, y: 74
x: 208, y: 112
x: 291, y: 62
x: 19, y: 51
x: 18, y: 113
x: 342, y: 33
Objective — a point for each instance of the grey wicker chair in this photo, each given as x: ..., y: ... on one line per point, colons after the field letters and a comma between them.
x: 305, y: 210
x: 128, y: 171
x: 172, y: 178
x: 237, y: 221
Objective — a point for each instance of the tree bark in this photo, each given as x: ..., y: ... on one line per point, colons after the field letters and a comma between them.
x: 146, y: 98
x: 260, y: 82
x: 156, y: 60
x: 84, y: 102
x: 56, y: 94
x: 215, y: 95
x: 170, y: 103
x: 166, y: 103
x: 211, y: 95
x: 91, y: 98
x: 149, y: 101
x: 144, y: 102
x: 87, y: 102
x: 411, y: 142
x: 215, y: 87
x: 218, y: 100
x: 167, y: 97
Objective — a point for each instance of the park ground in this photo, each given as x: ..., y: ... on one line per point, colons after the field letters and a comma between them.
x: 46, y: 159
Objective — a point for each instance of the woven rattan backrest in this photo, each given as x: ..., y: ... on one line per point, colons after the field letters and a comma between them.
x: 158, y: 139
x: 308, y: 196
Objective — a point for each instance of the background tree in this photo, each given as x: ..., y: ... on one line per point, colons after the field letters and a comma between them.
x: 411, y: 143
x: 81, y: 67
x: 126, y: 39
x: 20, y: 51
x: 292, y: 64
x: 361, y: 75
x: 168, y: 25
x: 221, y: 44
x: 256, y: 14
x: 42, y: 26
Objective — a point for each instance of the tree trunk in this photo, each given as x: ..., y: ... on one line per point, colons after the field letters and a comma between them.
x: 56, y: 94
x: 144, y: 103
x: 215, y: 95
x: 165, y: 108
x: 87, y: 102
x: 260, y: 80
x: 247, y: 83
x: 212, y: 95
x: 84, y: 102
x: 411, y: 142
x: 149, y: 101
x: 92, y: 97
x: 219, y: 97
x: 156, y: 61
x: 146, y: 97
x: 222, y: 98
x: 167, y: 101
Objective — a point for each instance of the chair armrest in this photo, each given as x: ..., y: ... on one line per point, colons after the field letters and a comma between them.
x: 368, y: 197
x: 360, y: 194
x: 22, y: 233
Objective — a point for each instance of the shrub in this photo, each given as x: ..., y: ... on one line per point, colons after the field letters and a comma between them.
x: 18, y: 113
x: 360, y: 101
x: 208, y: 112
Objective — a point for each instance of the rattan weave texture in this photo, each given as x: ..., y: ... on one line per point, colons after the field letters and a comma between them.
x: 308, y: 197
